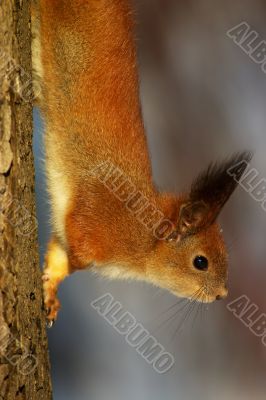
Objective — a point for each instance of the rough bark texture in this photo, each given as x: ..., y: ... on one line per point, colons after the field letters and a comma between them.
x: 24, y: 361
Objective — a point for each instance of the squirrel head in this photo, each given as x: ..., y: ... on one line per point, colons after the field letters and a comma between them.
x: 193, y: 261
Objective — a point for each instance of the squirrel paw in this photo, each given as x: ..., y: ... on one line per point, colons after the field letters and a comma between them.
x: 51, y: 302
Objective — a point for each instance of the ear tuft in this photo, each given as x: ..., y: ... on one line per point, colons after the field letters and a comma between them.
x: 210, y: 191
x: 215, y: 185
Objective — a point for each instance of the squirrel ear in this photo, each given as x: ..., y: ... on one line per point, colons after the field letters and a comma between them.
x: 210, y: 191
x: 192, y: 217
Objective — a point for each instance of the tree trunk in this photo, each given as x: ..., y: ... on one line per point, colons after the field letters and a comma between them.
x: 24, y: 360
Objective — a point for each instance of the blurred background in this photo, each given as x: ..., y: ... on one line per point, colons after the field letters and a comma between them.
x: 203, y: 98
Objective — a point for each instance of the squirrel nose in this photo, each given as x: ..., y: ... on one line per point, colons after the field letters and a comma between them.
x: 222, y: 294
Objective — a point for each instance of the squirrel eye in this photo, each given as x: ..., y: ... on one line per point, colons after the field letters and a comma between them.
x: 201, y: 263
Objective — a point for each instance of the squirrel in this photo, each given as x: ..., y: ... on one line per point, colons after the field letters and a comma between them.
x: 107, y: 213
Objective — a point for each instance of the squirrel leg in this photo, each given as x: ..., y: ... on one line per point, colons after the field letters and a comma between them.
x: 56, y: 269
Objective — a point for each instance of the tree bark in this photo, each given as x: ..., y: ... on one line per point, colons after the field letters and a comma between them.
x: 24, y: 360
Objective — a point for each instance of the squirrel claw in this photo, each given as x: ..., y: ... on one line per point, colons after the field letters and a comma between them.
x: 52, y: 307
x: 50, y: 323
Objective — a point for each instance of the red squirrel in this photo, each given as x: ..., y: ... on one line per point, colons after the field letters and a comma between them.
x: 84, y: 59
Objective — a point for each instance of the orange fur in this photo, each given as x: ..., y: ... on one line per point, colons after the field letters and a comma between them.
x: 91, y: 107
